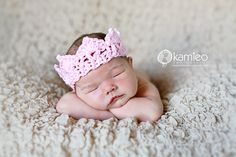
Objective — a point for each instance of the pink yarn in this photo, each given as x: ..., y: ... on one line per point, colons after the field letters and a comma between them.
x: 90, y: 55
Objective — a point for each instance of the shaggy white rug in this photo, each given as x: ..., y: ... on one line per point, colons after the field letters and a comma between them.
x: 199, y: 101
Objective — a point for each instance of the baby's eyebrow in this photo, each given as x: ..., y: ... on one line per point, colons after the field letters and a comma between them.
x: 91, y: 85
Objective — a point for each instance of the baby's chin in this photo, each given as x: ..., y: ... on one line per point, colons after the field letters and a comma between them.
x: 119, y: 103
x: 116, y: 106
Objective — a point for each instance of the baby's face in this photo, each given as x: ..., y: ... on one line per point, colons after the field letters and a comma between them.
x: 115, y: 78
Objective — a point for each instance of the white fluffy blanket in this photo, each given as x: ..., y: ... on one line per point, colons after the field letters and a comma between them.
x: 199, y: 101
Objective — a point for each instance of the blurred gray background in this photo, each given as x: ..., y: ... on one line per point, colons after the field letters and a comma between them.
x: 39, y: 30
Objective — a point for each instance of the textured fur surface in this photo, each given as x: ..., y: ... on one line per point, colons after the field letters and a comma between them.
x: 199, y: 101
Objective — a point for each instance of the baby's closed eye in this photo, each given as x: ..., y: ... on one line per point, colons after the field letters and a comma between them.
x: 116, y: 73
x: 91, y: 89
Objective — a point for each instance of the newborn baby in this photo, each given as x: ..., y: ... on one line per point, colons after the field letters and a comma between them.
x: 104, y: 81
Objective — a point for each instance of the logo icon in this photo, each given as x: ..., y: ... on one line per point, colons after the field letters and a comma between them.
x: 164, y: 57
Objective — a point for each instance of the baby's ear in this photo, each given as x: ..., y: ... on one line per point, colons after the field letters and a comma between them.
x: 130, y: 61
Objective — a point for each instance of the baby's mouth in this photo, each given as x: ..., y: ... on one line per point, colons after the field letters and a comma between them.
x: 114, y: 99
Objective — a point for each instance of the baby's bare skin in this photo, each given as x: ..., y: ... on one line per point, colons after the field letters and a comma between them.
x: 145, y: 104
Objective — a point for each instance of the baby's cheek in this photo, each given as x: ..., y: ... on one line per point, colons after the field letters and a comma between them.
x: 124, y: 83
x: 121, y: 82
x: 100, y: 100
x: 98, y: 96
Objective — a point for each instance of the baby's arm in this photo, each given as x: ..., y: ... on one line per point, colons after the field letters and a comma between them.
x: 72, y: 105
x: 145, y: 106
x: 142, y: 108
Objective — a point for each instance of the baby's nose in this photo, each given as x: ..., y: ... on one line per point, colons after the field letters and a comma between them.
x: 109, y: 88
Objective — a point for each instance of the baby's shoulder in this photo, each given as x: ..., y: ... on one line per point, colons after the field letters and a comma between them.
x: 145, y: 86
x: 142, y: 75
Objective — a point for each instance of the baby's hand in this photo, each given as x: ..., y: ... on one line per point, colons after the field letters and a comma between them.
x: 142, y: 108
x: 72, y: 105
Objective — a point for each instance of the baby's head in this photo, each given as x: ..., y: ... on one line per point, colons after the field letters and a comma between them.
x: 97, y: 69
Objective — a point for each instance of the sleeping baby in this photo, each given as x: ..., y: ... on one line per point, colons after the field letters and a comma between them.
x: 103, y: 81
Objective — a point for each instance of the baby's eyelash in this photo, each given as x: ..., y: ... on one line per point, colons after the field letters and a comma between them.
x: 90, y: 90
x: 118, y: 73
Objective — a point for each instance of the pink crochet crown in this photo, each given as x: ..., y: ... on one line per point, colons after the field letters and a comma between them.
x: 91, y: 54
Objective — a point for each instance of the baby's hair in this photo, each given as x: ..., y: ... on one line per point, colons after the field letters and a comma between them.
x: 76, y: 44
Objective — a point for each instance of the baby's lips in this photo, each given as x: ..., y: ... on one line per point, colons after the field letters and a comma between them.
x: 114, y: 98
